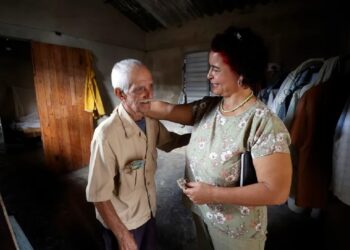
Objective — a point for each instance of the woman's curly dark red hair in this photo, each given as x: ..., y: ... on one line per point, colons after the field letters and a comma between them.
x: 245, y: 53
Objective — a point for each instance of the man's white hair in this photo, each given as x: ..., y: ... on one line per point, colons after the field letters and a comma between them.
x: 121, y: 73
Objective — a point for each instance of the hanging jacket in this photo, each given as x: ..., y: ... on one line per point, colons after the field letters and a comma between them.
x: 312, y: 133
x: 92, y: 102
x: 341, y: 157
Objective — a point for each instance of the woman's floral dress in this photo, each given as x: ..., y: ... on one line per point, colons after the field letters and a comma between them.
x: 213, y: 156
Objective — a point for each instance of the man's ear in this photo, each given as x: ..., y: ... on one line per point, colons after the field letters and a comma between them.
x: 119, y: 93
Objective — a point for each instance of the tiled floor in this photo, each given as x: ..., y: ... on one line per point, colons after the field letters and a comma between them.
x: 54, y: 215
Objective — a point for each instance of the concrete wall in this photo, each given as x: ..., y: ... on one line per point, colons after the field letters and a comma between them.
x: 87, y: 19
x: 87, y: 24
x: 293, y: 31
x: 16, y: 71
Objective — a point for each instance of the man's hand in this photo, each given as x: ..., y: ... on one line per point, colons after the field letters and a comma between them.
x: 126, y: 241
x: 199, y: 192
x: 125, y: 238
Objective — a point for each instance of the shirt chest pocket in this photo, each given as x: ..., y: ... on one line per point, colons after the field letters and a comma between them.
x: 132, y: 176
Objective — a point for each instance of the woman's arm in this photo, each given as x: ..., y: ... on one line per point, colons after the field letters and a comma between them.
x: 274, y: 173
x: 180, y: 113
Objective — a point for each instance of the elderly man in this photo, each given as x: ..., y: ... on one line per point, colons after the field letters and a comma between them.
x: 123, y: 162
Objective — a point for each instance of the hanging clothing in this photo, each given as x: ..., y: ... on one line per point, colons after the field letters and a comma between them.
x: 306, y: 79
x: 341, y: 157
x: 92, y: 102
x: 312, y: 132
x: 279, y: 105
x: 268, y: 94
x: 314, y: 76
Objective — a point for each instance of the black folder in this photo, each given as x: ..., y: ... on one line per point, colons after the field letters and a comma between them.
x: 248, y: 175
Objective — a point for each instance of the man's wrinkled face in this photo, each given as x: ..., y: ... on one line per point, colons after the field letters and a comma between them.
x: 141, y: 87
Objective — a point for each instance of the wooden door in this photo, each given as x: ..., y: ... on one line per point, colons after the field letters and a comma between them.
x: 59, y: 78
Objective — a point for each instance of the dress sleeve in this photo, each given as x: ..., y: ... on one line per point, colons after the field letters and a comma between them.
x: 271, y: 136
x: 203, y: 106
x: 167, y: 141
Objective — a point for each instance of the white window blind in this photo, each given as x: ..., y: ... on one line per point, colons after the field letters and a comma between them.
x: 195, y: 82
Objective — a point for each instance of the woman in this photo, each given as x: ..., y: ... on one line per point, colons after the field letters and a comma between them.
x: 224, y: 127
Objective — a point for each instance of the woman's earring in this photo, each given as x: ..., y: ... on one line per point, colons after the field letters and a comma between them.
x: 240, y: 81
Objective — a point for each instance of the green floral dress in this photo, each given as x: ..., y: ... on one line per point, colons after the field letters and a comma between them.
x: 213, y: 157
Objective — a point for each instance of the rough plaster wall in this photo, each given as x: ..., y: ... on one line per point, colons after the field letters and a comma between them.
x: 166, y: 78
x: 15, y: 71
x: 92, y: 20
x: 166, y: 66
x: 90, y: 24
x: 104, y: 55
x: 293, y: 31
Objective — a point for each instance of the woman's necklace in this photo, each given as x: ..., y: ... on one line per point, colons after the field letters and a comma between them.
x: 238, y: 106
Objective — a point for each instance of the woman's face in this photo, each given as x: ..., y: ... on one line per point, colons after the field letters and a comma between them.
x: 223, y: 80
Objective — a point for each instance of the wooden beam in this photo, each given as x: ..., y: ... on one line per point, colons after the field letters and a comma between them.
x: 7, y: 236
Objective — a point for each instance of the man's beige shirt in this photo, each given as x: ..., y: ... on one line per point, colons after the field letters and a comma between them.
x: 116, y: 142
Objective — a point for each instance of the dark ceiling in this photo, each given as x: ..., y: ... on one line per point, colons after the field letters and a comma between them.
x: 151, y: 15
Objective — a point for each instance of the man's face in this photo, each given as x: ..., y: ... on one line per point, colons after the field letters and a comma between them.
x: 141, y: 87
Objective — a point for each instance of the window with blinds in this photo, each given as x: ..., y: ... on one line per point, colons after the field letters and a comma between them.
x: 195, y: 82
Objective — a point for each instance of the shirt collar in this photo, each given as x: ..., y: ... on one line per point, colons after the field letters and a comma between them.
x: 128, y: 124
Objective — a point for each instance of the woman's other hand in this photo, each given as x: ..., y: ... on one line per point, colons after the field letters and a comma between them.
x: 199, y: 192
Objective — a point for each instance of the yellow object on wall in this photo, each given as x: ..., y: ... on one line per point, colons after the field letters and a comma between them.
x: 93, y: 102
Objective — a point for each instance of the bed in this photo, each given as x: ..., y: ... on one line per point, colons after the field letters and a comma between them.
x: 26, y: 114
x: 29, y: 125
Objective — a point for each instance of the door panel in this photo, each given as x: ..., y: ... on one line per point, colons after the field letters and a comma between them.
x: 59, y: 77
